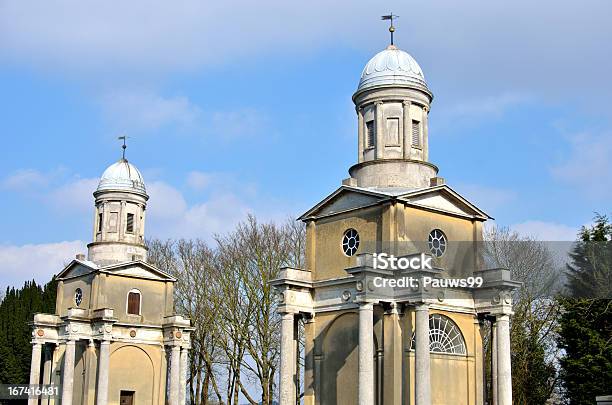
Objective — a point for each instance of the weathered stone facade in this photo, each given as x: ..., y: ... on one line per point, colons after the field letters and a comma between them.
x: 114, y: 336
x: 366, y: 345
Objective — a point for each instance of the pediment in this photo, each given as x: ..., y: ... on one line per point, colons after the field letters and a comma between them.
x: 344, y: 199
x: 444, y: 198
x: 77, y: 268
x: 138, y: 269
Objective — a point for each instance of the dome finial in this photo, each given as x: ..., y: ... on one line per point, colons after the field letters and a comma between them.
x: 390, y: 17
x: 124, y: 146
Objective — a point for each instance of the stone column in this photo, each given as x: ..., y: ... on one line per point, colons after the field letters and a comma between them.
x: 173, y: 390
x: 54, y: 365
x: 425, y: 135
x: 68, y: 373
x: 494, y: 362
x: 379, y: 130
x: 103, y: 369
x: 407, y: 140
x: 47, y: 366
x: 287, y: 357
x: 422, y: 362
x: 366, y: 354
x: 35, y: 369
x: 309, y: 361
x: 183, y: 375
x: 361, y: 135
x: 504, y: 373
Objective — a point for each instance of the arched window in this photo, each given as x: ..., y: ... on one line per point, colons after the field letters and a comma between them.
x: 133, y: 302
x: 444, y: 336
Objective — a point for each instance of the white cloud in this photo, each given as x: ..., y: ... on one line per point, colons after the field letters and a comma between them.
x: 74, y: 195
x: 242, y: 122
x: 199, y: 180
x: 27, y: 180
x: 587, y: 166
x: 470, y: 110
x: 169, y: 215
x: 486, y: 198
x: 144, y: 110
x: 38, y: 262
x: 546, y: 231
x: 481, y: 50
x: 165, y: 202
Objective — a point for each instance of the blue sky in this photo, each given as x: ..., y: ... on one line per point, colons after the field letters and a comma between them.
x: 249, y: 106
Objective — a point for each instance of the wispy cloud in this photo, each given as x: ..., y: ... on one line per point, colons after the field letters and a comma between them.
x: 485, y: 197
x: 587, y: 165
x: 145, y: 110
x: 546, y: 231
x: 36, y: 261
x: 25, y: 180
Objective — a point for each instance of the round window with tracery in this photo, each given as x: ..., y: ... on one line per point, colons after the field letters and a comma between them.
x: 350, y: 242
x: 437, y: 242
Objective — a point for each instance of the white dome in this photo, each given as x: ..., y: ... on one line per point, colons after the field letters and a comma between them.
x: 122, y: 176
x: 392, y: 67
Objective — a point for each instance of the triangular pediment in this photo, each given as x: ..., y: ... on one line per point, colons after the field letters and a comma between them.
x: 345, y: 199
x: 138, y: 269
x: 439, y: 198
x: 445, y: 199
x: 77, y: 268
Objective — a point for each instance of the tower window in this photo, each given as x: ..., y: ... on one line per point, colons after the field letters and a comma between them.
x: 416, y: 133
x: 133, y: 302
x: 370, y: 134
x: 100, y: 222
x: 129, y: 226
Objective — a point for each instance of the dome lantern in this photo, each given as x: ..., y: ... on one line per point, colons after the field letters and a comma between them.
x: 392, y: 103
x: 119, y: 220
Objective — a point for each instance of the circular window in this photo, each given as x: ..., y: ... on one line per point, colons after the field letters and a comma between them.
x: 350, y: 242
x: 437, y: 242
x: 78, y: 296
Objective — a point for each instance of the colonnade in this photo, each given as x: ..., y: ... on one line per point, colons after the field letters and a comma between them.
x: 177, y: 372
x: 501, y: 348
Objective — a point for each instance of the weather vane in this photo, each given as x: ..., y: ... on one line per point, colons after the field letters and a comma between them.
x: 124, y: 147
x: 390, y: 17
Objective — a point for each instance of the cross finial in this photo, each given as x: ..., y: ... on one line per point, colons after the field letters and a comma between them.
x: 124, y: 146
x: 390, y: 17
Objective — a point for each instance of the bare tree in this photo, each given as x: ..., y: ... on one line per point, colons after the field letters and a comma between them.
x: 226, y: 292
x: 252, y: 257
x: 535, y: 311
x: 193, y: 264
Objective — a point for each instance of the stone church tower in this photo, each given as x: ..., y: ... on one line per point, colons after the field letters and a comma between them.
x: 366, y: 344
x: 114, y: 337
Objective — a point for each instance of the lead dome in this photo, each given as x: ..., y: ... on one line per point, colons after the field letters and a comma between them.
x: 122, y: 176
x: 392, y: 67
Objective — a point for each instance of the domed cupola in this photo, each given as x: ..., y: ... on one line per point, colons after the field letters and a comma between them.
x: 392, y: 67
x: 392, y: 103
x: 122, y: 176
x: 120, y: 205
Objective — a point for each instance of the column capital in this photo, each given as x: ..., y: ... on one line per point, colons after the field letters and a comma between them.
x: 406, y: 103
x: 366, y: 306
x: 377, y: 103
x: 421, y: 306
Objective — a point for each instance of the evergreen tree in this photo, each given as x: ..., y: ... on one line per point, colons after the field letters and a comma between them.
x: 17, y: 310
x: 585, y: 332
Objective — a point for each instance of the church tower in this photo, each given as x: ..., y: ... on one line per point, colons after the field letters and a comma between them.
x: 114, y: 338
x: 368, y: 339
x: 120, y: 204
